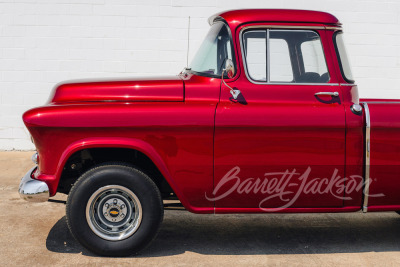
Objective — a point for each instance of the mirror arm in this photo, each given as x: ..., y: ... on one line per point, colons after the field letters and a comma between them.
x: 222, y: 79
x: 234, y: 93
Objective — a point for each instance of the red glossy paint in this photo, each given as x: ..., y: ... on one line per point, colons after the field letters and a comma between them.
x: 282, y: 127
x: 194, y: 134
x: 129, y: 90
x: 355, y: 145
x: 385, y: 153
x: 238, y: 17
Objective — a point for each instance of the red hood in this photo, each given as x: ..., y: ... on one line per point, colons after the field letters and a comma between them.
x: 128, y: 90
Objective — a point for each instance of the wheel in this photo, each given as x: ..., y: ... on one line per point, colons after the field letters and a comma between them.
x: 114, y: 210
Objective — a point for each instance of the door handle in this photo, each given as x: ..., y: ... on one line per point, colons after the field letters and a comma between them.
x: 327, y: 93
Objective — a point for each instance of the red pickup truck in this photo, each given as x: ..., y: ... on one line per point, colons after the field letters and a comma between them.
x: 266, y: 118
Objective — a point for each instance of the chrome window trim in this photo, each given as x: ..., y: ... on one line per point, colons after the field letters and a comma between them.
x: 319, y: 84
x: 367, y: 156
x: 339, y: 58
x: 268, y: 61
x: 283, y: 27
x: 267, y: 27
x: 245, y: 63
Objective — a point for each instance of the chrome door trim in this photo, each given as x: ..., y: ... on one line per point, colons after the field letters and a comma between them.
x: 367, y: 156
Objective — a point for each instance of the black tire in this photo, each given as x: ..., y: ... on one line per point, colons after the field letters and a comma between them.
x: 126, y: 178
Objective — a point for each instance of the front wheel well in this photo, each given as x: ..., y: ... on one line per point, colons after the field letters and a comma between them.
x: 81, y: 161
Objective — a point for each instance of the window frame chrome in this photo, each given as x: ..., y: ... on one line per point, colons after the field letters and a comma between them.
x: 339, y: 59
x: 267, y: 27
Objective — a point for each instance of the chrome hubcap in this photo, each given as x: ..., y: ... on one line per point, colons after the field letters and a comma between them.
x: 115, y: 209
x: 114, y: 212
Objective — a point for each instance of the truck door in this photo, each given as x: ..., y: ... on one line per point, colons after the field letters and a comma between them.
x: 281, y: 142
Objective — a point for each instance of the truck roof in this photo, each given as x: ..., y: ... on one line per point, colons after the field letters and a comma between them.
x: 274, y: 15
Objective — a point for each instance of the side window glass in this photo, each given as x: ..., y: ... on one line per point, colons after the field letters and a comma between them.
x: 280, y: 65
x: 284, y: 56
x: 343, y: 57
x: 313, y: 57
x: 255, y: 50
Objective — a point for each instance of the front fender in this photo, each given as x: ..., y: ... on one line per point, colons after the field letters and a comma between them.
x: 104, y: 142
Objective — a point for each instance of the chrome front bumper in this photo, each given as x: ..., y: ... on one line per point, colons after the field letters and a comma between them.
x: 33, y: 190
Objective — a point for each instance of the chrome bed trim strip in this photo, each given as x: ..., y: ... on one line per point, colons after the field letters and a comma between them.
x: 367, y: 156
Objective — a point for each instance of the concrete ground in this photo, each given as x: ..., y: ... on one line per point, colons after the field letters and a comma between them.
x: 37, y: 234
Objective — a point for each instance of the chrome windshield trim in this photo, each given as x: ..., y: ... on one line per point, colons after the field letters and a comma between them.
x: 367, y: 155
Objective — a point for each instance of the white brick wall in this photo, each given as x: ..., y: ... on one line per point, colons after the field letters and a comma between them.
x: 43, y: 42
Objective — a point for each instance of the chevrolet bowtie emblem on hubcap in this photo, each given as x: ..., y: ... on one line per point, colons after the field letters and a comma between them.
x: 114, y: 212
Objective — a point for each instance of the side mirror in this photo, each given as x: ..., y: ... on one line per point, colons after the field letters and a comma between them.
x: 229, y: 68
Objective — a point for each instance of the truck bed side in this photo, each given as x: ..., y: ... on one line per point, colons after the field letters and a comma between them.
x: 384, y: 154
